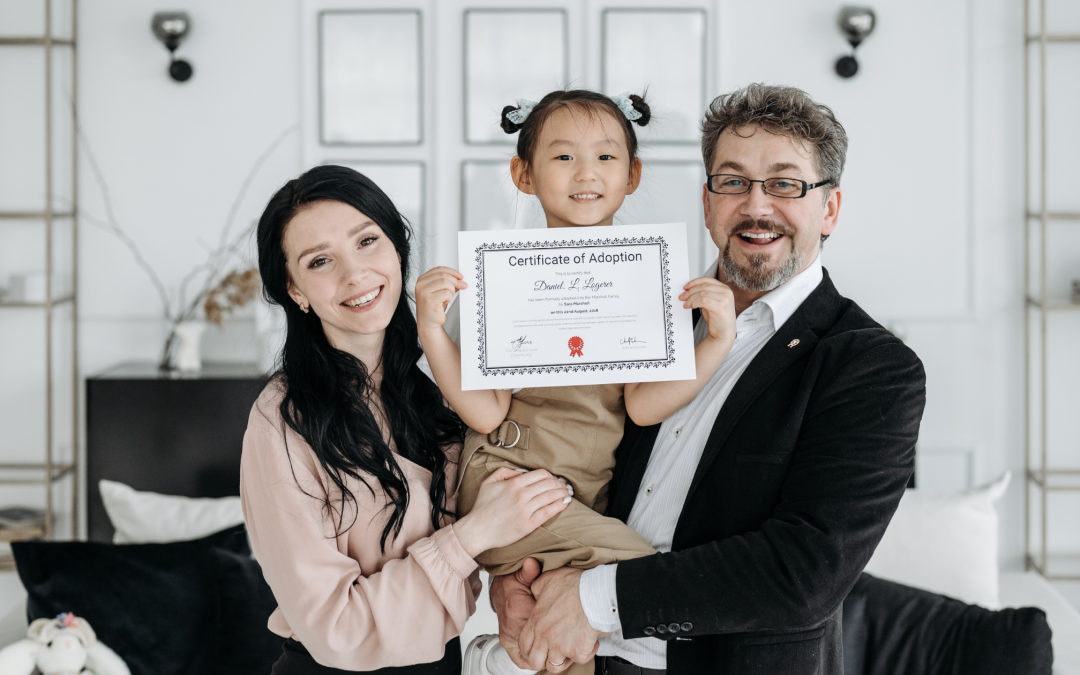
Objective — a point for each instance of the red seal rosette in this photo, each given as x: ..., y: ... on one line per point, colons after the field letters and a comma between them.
x: 575, y: 344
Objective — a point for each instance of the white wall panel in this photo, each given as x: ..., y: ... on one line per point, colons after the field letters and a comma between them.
x: 370, y: 77
x: 510, y: 54
x: 659, y: 53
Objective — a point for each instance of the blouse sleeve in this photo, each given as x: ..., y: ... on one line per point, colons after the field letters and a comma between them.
x: 402, y: 614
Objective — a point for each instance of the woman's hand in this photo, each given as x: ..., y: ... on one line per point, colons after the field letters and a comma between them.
x: 510, y: 505
x: 717, y: 304
x: 434, y: 291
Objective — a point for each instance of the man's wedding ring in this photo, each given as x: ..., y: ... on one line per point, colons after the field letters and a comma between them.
x: 552, y: 663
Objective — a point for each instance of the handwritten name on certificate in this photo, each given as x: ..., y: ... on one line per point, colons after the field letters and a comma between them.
x: 586, y: 305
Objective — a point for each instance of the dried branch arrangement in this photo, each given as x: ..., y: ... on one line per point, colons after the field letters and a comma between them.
x: 235, y: 290
x: 218, y: 291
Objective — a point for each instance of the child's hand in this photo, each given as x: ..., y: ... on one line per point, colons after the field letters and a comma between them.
x: 434, y: 291
x: 717, y: 304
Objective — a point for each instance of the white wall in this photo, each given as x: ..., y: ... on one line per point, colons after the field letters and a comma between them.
x: 174, y: 156
x: 929, y: 241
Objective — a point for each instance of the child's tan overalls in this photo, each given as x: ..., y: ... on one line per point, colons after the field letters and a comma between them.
x: 573, y: 433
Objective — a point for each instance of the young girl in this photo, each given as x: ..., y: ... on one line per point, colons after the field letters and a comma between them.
x: 577, y: 153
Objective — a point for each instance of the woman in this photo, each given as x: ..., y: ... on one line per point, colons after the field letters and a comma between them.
x: 350, y: 453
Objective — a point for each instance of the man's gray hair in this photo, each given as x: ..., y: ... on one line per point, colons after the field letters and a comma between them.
x: 779, y: 110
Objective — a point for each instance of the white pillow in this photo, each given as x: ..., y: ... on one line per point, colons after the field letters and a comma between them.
x: 947, y: 544
x: 149, y: 517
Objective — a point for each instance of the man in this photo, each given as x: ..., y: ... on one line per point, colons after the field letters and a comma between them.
x: 767, y: 494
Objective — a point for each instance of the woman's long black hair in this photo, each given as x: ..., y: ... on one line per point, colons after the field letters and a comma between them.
x: 327, y: 390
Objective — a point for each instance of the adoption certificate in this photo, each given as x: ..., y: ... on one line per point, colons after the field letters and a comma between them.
x: 587, y: 305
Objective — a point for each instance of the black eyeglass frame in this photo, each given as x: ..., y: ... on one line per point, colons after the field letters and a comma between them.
x: 806, y: 187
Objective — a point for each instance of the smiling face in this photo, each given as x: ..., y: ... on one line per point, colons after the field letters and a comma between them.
x: 581, y: 169
x: 765, y: 240
x: 347, y: 270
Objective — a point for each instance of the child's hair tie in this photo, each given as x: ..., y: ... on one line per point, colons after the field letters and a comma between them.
x: 626, y: 106
x: 519, y: 115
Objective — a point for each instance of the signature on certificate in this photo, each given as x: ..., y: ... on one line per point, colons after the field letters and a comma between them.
x: 631, y: 341
x: 520, y: 342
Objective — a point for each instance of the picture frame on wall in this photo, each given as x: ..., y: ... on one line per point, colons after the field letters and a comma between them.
x: 510, y: 54
x: 663, y: 51
x: 370, y: 77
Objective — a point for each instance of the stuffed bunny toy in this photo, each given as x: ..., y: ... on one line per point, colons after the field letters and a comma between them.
x: 65, y: 645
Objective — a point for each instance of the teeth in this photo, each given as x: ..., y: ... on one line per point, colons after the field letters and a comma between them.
x: 589, y: 196
x: 364, y: 299
x: 763, y: 235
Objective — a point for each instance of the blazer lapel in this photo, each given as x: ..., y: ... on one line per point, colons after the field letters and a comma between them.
x: 795, y: 339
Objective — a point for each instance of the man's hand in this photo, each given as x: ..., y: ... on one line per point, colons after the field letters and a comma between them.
x: 558, y: 631
x: 512, y: 600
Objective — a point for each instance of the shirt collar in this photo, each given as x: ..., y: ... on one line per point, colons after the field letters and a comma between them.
x: 780, y: 303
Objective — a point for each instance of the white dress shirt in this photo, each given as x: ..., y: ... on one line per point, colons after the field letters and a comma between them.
x: 675, y: 458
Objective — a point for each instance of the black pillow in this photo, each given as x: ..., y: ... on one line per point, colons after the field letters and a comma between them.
x: 183, y: 608
x: 246, y: 645
x: 907, y: 630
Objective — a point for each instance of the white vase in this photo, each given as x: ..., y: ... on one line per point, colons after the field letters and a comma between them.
x: 188, y: 357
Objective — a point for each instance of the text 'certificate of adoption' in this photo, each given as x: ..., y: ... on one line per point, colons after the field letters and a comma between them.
x: 570, y: 306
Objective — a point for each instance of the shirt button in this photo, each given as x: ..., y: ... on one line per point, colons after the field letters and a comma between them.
x: 661, y: 629
x: 614, y: 609
x: 688, y: 626
x: 673, y: 628
x: 678, y: 432
x: 649, y: 631
x: 649, y: 490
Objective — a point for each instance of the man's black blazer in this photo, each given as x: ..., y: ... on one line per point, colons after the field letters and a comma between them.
x: 802, y: 472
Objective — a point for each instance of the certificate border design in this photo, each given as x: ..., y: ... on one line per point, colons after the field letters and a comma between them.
x: 669, y: 329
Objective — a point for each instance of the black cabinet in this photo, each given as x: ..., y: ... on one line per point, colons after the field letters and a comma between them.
x: 173, y: 435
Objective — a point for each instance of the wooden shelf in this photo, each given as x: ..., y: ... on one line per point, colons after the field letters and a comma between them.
x: 1055, y: 37
x: 33, y: 215
x: 7, y: 536
x: 60, y: 333
x: 1056, y: 215
x: 1060, y: 567
x: 1054, y: 305
x: 1056, y: 480
x: 62, y: 300
x: 35, y: 40
x: 60, y: 470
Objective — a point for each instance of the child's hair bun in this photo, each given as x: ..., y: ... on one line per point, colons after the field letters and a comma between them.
x: 642, y: 107
x: 507, y: 125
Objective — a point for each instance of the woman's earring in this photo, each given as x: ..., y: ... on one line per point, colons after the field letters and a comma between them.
x: 303, y: 308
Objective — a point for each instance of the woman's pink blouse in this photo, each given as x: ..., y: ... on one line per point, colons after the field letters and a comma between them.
x: 352, y: 605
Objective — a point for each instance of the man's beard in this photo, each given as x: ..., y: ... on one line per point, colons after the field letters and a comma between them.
x: 757, y: 276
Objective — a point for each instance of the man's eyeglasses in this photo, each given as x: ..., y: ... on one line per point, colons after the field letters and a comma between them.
x: 788, y: 188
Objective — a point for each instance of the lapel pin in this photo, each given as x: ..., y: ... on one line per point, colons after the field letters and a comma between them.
x: 793, y: 343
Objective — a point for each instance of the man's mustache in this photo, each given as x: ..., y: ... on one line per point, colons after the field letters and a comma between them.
x: 762, y: 226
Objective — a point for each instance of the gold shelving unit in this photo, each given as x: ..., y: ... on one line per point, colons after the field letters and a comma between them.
x: 1041, y: 479
x: 52, y: 470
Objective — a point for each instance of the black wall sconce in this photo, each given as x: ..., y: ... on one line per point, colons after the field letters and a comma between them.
x: 171, y: 28
x: 856, y: 23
